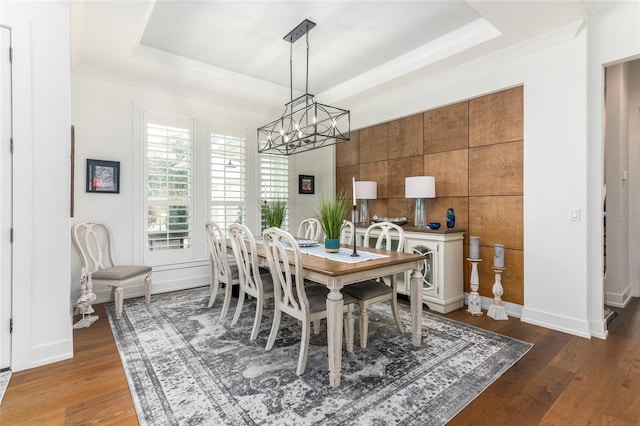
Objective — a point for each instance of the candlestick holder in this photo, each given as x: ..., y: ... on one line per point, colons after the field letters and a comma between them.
x: 497, y: 311
x: 355, y: 237
x: 475, y: 302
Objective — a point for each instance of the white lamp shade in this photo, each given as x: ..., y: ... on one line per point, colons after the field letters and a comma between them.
x: 420, y: 187
x: 366, y: 190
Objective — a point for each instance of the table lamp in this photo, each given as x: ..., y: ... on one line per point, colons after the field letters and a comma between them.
x: 420, y: 187
x: 366, y: 190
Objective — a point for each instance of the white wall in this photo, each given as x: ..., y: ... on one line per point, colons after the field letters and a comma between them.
x: 614, y: 37
x: 107, y: 116
x: 633, y: 91
x: 616, y: 282
x: 41, y: 80
x: 553, y: 72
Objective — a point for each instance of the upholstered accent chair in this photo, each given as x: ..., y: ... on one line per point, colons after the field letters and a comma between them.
x: 94, y: 244
x: 306, y: 303
x: 373, y: 291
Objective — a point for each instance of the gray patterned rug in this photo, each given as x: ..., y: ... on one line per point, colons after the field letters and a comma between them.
x: 5, y: 376
x: 187, y: 367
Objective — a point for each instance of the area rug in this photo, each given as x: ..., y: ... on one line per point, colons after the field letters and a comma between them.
x: 5, y: 376
x: 185, y: 366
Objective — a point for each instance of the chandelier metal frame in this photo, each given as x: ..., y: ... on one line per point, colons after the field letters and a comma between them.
x: 305, y: 124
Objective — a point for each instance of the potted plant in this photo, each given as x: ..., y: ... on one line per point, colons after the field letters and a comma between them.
x: 274, y: 212
x: 332, y: 212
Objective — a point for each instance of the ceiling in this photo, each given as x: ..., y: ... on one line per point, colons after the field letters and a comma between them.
x: 234, y: 51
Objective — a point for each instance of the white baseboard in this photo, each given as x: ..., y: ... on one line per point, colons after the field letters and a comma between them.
x: 513, y: 309
x: 556, y: 322
x: 618, y: 300
x: 51, y: 352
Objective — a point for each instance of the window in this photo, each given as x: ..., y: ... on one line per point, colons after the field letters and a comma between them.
x: 228, y: 180
x: 169, y: 184
x: 274, y: 181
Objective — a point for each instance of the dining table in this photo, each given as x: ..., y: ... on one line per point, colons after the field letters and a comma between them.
x: 348, y: 266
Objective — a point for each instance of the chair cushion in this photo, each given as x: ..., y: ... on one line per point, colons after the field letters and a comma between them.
x: 317, y: 297
x: 367, y: 290
x: 120, y: 272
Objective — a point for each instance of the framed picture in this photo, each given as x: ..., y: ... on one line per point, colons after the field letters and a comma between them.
x: 305, y: 184
x: 103, y: 176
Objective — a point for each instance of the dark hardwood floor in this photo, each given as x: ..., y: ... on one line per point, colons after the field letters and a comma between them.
x: 563, y: 380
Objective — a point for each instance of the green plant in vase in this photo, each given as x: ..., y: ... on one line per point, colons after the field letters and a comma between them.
x: 274, y: 212
x: 332, y: 212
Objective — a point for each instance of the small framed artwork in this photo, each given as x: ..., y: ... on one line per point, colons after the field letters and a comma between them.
x: 103, y: 176
x: 305, y: 184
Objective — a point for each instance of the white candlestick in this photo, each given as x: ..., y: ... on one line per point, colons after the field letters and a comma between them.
x: 354, y: 191
x: 498, y: 256
x: 474, y: 247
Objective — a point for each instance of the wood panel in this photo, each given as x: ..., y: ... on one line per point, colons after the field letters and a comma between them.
x: 496, y: 169
x: 497, y: 220
x: 512, y: 278
x: 348, y: 153
x: 497, y: 117
x: 446, y: 128
x: 451, y: 170
x: 378, y: 172
x: 405, y: 137
x: 344, y: 179
x: 400, y: 169
x: 437, y: 211
x: 401, y: 207
x: 373, y: 143
x: 379, y: 207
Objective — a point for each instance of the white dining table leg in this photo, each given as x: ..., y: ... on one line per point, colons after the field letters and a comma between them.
x: 334, y: 335
x: 416, y: 306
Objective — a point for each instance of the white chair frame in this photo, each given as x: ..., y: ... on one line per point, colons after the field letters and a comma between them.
x: 94, y: 243
x: 291, y: 295
x: 251, y: 282
x: 311, y: 229
x: 389, y: 232
x: 221, y: 270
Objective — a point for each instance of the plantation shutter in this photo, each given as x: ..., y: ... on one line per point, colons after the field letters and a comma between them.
x: 274, y: 181
x: 169, y: 186
x: 228, y: 180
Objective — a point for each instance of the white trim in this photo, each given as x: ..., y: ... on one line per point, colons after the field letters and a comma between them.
x: 513, y: 309
x: 52, y: 352
x: 21, y: 353
x: 556, y: 322
x: 619, y: 300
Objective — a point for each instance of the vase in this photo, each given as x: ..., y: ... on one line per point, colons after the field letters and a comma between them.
x: 451, y: 218
x: 332, y: 245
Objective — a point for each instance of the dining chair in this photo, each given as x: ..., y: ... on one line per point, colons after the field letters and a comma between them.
x: 222, y: 270
x: 293, y: 297
x: 347, y: 233
x: 94, y: 243
x: 310, y: 229
x: 252, y: 283
x: 373, y: 291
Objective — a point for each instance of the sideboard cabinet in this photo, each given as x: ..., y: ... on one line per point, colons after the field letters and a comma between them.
x: 442, y: 271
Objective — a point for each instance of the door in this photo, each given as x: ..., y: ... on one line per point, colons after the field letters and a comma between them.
x: 6, y: 198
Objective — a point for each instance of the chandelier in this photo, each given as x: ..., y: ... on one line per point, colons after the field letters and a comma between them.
x: 305, y: 124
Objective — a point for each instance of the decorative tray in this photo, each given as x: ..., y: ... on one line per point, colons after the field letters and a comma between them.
x: 307, y: 243
x: 395, y: 220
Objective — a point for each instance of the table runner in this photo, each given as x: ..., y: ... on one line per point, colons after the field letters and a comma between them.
x: 344, y: 255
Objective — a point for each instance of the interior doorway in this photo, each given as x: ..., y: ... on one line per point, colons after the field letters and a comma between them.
x: 621, y: 191
x: 6, y: 198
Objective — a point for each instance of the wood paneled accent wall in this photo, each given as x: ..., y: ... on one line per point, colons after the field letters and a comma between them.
x: 474, y: 149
